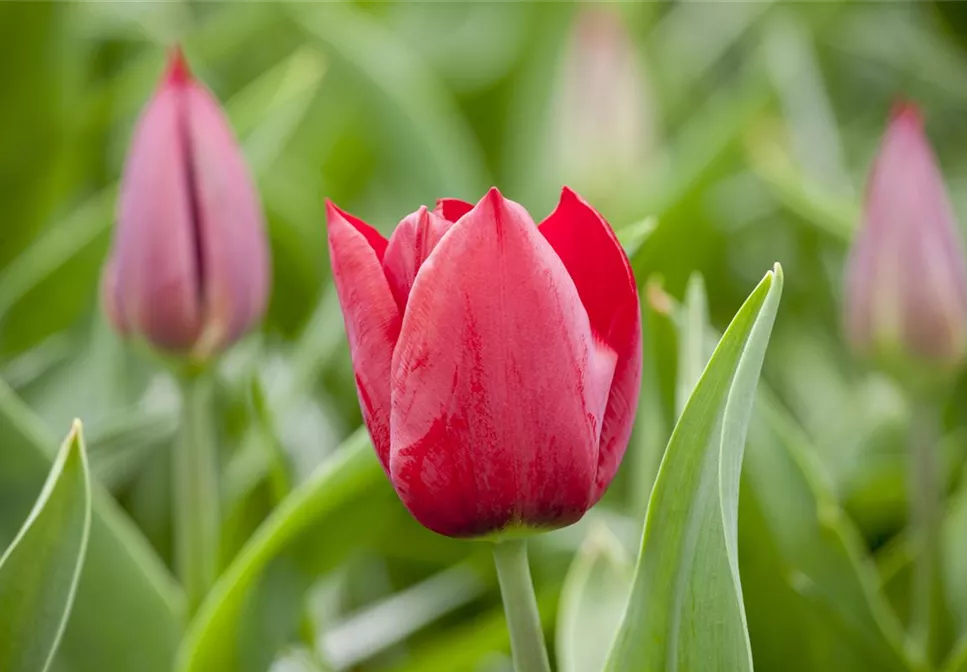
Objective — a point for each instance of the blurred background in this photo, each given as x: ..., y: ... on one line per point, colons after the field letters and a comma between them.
x: 716, y: 138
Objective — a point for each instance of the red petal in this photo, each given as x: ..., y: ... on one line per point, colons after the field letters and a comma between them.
x: 602, y: 273
x: 452, y: 209
x: 498, y: 386
x: 409, y: 246
x: 234, y: 256
x: 372, y: 318
x: 158, y: 296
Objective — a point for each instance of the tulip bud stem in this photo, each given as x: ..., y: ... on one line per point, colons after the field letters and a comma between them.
x: 520, y: 606
x: 925, y: 511
x: 196, y: 494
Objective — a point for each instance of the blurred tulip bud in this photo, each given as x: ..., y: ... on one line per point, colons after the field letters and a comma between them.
x: 497, y: 363
x: 906, y: 288
x: 604, y: 121
x: 189, y: 267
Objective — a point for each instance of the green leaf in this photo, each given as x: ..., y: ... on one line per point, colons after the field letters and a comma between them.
x: 127, y: 611
x: 693, y: 354
x: 417, y: 107
x: 40, y: 569
x: 801, y: 556
x: 333, y: 507
x: 593, y: 598
x: 685, y: 611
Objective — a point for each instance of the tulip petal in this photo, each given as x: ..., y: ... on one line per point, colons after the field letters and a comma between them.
x: 372, y: 318
x: 452, y: 209
x: 153, y: 249
x: 602, y: 274
x: 409, y: 246
x: 230, y: 229
x: 498, y: 387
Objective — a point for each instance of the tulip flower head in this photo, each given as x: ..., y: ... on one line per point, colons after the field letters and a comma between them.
x: 497, y: 363
x: 189, y: 267
x: 906, y: 290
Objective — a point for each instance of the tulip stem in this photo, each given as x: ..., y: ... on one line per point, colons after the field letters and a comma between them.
x: 196, y: 494
x: 520, y: 607
x: 924, y: 497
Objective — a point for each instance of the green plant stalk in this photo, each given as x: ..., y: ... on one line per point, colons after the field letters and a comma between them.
x: 196, y: 494
x: 925, y: 521
x: 520, y: 606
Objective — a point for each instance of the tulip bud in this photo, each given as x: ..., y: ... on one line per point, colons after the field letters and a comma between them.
x: 906, y: 290
x: 604, y: 122
x: 497, y: 363
x: 189, y: 267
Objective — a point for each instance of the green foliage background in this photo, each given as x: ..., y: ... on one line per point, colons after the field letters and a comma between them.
x: 760, y: 121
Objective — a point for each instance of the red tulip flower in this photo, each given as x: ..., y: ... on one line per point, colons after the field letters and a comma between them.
x: 189, y: 269
x: 906, y: 287
x: 497, y: 362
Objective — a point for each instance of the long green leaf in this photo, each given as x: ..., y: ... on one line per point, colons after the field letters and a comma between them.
x: 685, y: 610
x: 800, y: 555
x: 593, y: 598
x: 693, y: 354
x: 803, y: 557
x: 416, y: 104
x: 40, y: 569
x: 127, y: 612
x: 334, y: 497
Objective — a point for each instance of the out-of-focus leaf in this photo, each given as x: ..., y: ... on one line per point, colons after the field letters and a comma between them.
x: 450, y: 161
x: 656, y: 403
x: 835, y: 215
x: 466, y: 647
x: 32, y: 48
x: 693, y: 344
x: 593, y: 598
x: 801, y: 557
x: 633, y: 236
x: 685, y: 610
x: 127, y: 612
x: 40, y: 569
x: 957, y: 661
x: 329, y: 507
x: 392, y: 620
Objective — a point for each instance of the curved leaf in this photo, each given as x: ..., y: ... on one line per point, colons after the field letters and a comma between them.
x: 40, y: 569
x: 685, y: 611
x: 593, y: 598
x: 336, y: 495
x: 127, y: 611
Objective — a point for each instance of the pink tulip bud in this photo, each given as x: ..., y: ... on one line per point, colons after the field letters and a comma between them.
x: 906, y: 279
x: 497, y: 362
x: 189, y: 268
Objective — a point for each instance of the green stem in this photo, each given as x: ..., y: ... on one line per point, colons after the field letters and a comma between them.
x: 925, y: 527
x: 520, y: 606
x: 196, y: 494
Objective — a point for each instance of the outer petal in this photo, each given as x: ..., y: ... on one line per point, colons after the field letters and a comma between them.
x: 409, y: 246
x: 154, y: 247
x: 600, y: 269
x: 452, y: 209
x: 498, y: 386
x: 372, y: 318
x: 233, y: 254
